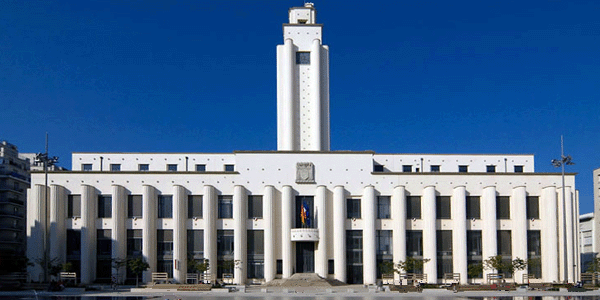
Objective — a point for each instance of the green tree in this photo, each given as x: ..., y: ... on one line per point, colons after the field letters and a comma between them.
x: 118, y: 264
x: 495, y: 263
x: 411, y: 265
x: 475, y: 270
x: 198, y: 265
x: 137, y: 266
x: 386, y: 267
x: 517, y: 264
x: 593, y: 266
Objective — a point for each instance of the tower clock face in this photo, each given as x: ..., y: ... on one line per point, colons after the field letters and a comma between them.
x: 303, y: 58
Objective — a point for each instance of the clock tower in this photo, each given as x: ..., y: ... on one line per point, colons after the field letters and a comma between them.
x: 302, y: 84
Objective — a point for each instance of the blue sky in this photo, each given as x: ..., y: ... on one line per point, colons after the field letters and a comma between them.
x: 406, y: 77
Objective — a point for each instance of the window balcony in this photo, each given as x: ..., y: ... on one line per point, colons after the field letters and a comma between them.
x: 305, y: 235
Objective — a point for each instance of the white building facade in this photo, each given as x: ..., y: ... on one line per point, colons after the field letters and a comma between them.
x: 262, y: 215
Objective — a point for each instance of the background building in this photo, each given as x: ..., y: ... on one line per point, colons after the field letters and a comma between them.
x: 14, y: 182
x: 305, y: 209
x: 586, y: 239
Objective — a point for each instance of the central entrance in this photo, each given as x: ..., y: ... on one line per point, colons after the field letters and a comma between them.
x: 305, y: 257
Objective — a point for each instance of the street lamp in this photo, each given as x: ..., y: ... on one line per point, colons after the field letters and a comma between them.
x: 47, y: 161
x: 564, y: 160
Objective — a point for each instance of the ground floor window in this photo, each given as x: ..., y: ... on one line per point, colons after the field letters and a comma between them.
x: 354, y: 256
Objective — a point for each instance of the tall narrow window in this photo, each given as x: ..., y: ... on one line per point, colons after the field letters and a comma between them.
x: 502, y: 207
x: 195, y: 243
x: 104, y: 206
x: 134, y: 242
x: 413, y: 207
x: 473, y: 207
x: 353, y: 208
x: 255, y: 207
x: 256, y: 253
x: 533, y: 207
x: 74, y: 206
x: 165, y: 206
x: 195, y: 206
x: 134, y: 206
x: 474, y: 250
x: 534, y: 253
x: 225, y: 207
x: 384, y: 249
x: 383, y: 207
x: 443, y: 207
x: 444, y: 252
x: 504, y: 239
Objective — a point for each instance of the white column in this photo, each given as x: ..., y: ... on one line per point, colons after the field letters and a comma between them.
x: 118, y: 232
x: 339, y: 233
x: 287, y: 200
x: 180, y: 233
x: 288, y: 120
x: 429, y: 233
x: 459, y: 233
x: 89, y: 200
x: 149, y: 214
x: 321, y: 218
x: 577, y: 237
x: 569, y: 229
x: 240, y: 244
x: 58, y: 233
x: 398, y: 211
x: 315, y: 93
x: 549, y: 234
x: 209, y: 214
x: 369, y: 213
x: 489, y: 231
x: 36, y: 214
x: 269, y: 220
x: 518, y: 204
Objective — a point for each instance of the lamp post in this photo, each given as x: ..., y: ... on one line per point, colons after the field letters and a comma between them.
x: 47, y: 161
x: 564, y: 160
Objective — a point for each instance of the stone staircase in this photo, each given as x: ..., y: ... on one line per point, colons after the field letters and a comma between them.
x: 304, y: 280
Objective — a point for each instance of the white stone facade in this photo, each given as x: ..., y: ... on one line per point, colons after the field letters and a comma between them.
x: 360, y: 207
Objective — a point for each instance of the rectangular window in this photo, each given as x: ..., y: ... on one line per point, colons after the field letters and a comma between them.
x: 406, y: 168
x: 384, y: 242
x: 256, y: 242
x: 473, y: 207
x: 414, y: 243
x: 279, y: 266
x: 134, y: 206
x: 434, y: 168
x: 533, y: 207
x: 103, y: 252
x: 518, y: 169
x: 377, y: 168
x: 503, y: 208
x: 143, y: 167
x: 331, y: 267
x: 474, y: 243
x: 115, y: 167
x: 134, y: 242
x: 505, y: 249
x: 224, y: 243
x: 463, y: 169
x: 255, y: 207
x: 225, y: 207
x: 165, y: 206
x: 490, y: 169
x: 442, y: 207
x: 444, y: 252
x: 229, y: 168
x: 534, y: 253
x: 104, y: 206
x: 353, y: 208
x: 164, y: 242
x: 172, y: 167
x: 354, y: 256
x: 86, y: 167
x: 304, y: 212
x: 194, y: 206
x: 383, y: 207
x: 302, y: 58
x: 474, y: 251
x: 195, y: 243
x: 74, y: 206
x: 413, y: 207
x: 200, y: 168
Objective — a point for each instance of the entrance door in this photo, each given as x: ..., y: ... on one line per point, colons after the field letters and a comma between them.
x: 305, y: 257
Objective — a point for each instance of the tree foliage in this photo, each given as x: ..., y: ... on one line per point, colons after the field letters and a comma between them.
x: 411, y: 265
x: 475, y: 270
x: 198, y: 265
x: 137, y: 266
